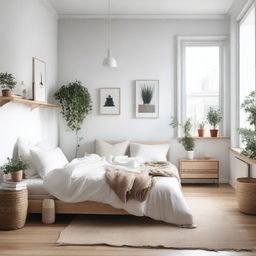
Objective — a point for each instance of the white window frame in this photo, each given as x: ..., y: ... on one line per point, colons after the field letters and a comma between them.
x: 184, y: 41
x: 240, y: 18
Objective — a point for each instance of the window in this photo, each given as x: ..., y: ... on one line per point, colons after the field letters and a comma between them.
x: 201, y: 78
x: 246, y: 60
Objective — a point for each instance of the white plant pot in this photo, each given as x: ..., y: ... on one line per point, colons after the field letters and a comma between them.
x: 190, y: 155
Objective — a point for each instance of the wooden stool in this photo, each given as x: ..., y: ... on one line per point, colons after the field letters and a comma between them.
x: 13, y: 209
x: 48, y: 211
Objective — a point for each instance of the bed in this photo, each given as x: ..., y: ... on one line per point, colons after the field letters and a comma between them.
x: 182, y: 216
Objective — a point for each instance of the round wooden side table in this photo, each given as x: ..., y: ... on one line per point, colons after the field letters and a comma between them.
x: 13, y: 209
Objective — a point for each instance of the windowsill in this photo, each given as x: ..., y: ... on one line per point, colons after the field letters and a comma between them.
x: 237, y: 152
x: 210, y: 138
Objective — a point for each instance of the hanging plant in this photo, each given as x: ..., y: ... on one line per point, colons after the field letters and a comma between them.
x: 76, y: 104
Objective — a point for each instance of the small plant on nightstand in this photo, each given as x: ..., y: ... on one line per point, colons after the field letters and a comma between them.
x: 15, y: 167
x: 214, y: 118
x: 7, y: 82
x: 201, y: 129
x: 187, y: 141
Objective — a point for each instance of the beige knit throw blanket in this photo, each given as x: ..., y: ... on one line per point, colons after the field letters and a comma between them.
x: 137, y: 185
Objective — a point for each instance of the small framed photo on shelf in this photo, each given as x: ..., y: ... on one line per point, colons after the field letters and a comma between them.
x: 147, y: 98
x: 110, y: 101
x: 39, y: 80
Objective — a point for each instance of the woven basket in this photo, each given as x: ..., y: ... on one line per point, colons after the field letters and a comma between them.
x: 246, y: 195
x: 13, y: 209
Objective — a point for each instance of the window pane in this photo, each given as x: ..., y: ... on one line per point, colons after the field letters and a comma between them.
x: 202, y: 81
x: 246, y: 60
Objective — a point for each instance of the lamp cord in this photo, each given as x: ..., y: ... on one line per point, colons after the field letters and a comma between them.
x: 109, y: 24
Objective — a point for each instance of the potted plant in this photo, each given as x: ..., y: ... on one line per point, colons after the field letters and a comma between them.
x: 246, y: 187
x: 201, y: 129
x: 76, y: 104
x: 187, y: 141
x: 146, y: 96
x: 7, y: 81
x: 15, y: 167
x: 214, y: 118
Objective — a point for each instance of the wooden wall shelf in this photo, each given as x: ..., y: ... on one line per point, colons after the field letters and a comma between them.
x: 32, y: 103
x: 210, y: 138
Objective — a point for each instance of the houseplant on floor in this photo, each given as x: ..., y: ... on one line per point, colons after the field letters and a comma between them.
x: 246, y: 187
x: 201, y: 129
x: 214, y: 117
x: 76, y: 104
x: 15, y: 167
x: 7, y: 82
x: 187, y: 141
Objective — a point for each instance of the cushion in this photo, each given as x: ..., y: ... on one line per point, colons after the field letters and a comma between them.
x: 24, y: 147
x: 103, y: 148
x: 47, y: 160
x: 149, y: 153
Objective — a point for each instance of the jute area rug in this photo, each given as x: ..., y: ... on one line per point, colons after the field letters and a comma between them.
x: 219, y: 227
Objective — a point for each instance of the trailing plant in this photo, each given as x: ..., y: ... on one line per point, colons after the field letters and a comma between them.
x: 201, y: 125
x: 249, y: 135
x: 14, y: 165
x: 214, y: 117
x: 76, y: 104
x: 187, y: 141
x: 7, y: 80
x: 147, y: 93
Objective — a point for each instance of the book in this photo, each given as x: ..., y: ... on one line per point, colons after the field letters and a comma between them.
x: 12, y: 184
x: 12, y: 189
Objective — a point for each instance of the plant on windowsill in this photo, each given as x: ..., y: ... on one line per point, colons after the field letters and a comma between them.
x: 7, y: 82
x: 214, y: 117
x: 187, y: 141
x: 76, y: 104
x: 249, y: 134
x: 15, y: 167
x: 201, y: 129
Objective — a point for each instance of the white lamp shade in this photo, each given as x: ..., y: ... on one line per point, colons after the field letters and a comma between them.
x: 109, y: 61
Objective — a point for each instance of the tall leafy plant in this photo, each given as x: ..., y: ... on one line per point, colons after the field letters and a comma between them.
x: 187, y: 141
x: 249, y: 134
x: 76, y: 104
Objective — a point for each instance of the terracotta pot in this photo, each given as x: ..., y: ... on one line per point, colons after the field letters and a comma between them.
x: 17, y: 176
x: 6, y: 93
x: 214, y: 132
x: 200, y: 132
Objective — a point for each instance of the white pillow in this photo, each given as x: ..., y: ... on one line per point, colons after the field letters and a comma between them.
x: 149, y: 153
x: 24, y: 147
x: 103, y: 148
x: 47, y: 160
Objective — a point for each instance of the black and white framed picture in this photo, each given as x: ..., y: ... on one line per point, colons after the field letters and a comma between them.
x: 110, y: 101
x: 39, y: 80
x: 147, y: 98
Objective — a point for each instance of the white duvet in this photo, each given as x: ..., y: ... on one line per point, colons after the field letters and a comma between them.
x: 84, y: 180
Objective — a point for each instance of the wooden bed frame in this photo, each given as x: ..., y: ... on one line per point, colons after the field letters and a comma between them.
x: 87, y: 207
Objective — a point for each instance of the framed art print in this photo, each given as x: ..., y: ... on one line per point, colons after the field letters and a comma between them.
x: 39, y: 80
x: 147, y: 98
x: 110, y: 101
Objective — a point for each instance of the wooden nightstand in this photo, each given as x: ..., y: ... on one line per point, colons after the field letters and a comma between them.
x: 201, y: 168
x: 13, y: 209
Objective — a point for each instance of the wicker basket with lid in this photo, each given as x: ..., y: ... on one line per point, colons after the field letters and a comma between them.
x: 13, y: 209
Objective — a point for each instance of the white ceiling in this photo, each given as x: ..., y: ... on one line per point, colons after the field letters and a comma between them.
x: 142, y: 7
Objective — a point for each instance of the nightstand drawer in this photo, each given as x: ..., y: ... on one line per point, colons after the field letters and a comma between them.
x: 199, y: 165
x: 199, y: 174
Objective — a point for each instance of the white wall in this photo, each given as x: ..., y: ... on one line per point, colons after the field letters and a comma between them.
x: 28, y: 28
x: 144, y: 49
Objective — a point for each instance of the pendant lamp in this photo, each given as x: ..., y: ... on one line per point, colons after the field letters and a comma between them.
x: 109, y: 61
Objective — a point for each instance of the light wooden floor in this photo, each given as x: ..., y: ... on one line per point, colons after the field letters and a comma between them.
x: 38, y: 239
